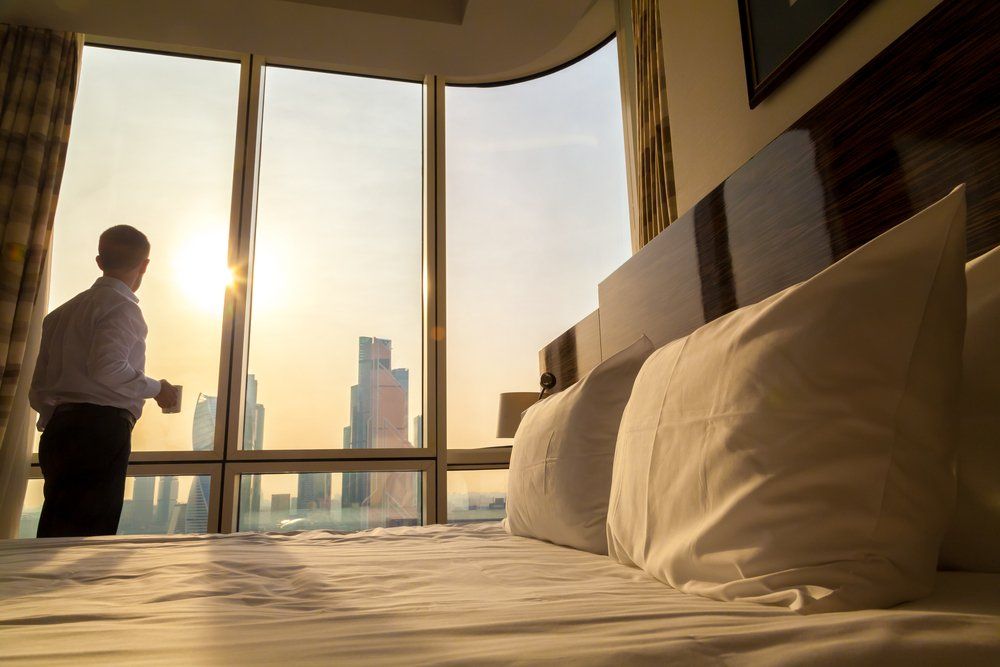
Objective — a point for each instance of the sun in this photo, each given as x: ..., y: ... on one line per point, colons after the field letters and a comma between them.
x: 201, y: 270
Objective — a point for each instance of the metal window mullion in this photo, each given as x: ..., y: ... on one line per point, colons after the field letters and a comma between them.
x: 375, y: 453
x: 435, y: 385
x: 229, y: 413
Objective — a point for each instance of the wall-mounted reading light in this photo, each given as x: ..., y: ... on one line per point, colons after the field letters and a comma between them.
x: 548, y: 382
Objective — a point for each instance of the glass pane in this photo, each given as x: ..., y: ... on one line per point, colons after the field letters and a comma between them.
x: 332, y: 500
x: 152, y: 146
x: 336, y: 332
x: 166, y: 505
x: 160, y: 505
x: 31, y: 509
x: 477, y: 495
x: 537, y: 217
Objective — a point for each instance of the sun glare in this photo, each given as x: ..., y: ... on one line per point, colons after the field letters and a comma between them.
x: 200, y: 265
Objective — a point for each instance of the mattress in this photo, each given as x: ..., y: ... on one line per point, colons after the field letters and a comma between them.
x: 431, y: 595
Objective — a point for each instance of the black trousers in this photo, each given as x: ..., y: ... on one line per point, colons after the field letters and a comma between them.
x: 84, y: 456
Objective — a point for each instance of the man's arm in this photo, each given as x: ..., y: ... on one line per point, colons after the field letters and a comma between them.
x: 41, y: 368
x: 115, y: 334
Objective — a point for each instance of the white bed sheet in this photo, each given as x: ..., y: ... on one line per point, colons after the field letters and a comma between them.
x: 433, y: 595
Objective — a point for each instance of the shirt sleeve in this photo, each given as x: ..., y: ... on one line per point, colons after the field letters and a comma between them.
x: 115, y: 334
x: 41, y: 369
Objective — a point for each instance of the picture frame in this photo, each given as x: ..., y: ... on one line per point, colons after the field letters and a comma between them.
x: 779, y: 36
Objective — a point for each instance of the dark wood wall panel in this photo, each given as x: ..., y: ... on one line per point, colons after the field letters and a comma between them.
x: 574, y: 353
x: 916, y: 121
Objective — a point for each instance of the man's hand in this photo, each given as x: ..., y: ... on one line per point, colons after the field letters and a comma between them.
x: 168, y: 396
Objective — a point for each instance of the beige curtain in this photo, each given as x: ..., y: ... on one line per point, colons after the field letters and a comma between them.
x: 39, y: 70
x: 653, y: 200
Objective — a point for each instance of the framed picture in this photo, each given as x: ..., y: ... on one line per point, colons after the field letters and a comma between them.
x: 780, y: 35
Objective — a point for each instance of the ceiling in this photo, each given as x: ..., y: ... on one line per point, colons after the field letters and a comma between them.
x: 468, y: 41
x: 442, y: 11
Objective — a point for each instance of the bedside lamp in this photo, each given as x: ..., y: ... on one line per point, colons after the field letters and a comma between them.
x: 512, y: 405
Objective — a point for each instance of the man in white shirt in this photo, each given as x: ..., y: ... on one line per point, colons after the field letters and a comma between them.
x: 89, y: 387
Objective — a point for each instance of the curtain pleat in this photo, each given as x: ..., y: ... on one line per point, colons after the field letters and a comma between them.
x: 655, y: 202
x: 39, y: 70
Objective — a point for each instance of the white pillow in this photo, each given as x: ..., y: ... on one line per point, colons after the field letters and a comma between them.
x: 560, y: 466
x: 799, y: 451
x: 973, y: 539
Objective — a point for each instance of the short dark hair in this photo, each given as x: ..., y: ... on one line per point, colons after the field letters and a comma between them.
x: 122, y: 247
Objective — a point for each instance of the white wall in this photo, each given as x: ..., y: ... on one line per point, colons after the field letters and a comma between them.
x: 713, y: 129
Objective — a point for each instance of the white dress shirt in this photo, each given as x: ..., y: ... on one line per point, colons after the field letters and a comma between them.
x: 93, y: 350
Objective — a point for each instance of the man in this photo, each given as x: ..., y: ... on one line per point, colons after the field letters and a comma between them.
x: 89, y: 388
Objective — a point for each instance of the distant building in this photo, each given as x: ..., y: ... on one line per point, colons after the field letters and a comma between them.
x: 202, y: 440
x: 141, y: 510
x: 379, y: 419
x: 166, y: 499
x: 314, y: 491
x: 380, y: 399
x: 178, y: 518
x: 418, y: 431
x: 195, y: 519
x: 280, y: 502
x: 253, y: 439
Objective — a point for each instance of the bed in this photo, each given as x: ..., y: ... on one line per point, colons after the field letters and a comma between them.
x: 442, y: 594
x: 891, y: 140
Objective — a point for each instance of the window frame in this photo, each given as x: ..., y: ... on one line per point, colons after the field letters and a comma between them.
x: 227, y: 460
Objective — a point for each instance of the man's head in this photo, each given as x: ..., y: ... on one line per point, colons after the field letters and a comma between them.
x: 123, y: 253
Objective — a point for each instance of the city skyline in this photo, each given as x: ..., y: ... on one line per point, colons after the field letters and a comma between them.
x: 339, y: 234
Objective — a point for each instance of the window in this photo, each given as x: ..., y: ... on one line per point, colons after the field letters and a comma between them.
x: 537, y: 217
x: 477, y: 495
x: 335, y: 336
x: 152, y: 146
x: 332, y: 500
x: 290, y: 301
x: 31, y: 510
x: 167, y: 504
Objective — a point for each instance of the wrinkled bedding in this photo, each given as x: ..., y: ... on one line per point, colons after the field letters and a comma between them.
x: 431, y: 595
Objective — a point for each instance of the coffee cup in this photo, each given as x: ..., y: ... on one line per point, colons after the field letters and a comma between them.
x: 176, y: 407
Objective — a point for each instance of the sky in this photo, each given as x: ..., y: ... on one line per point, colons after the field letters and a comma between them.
x: 536, y: 217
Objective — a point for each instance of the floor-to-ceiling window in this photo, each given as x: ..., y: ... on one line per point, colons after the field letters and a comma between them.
x: 290, y: 275
x: 335, y: 345
x: 537, y: 217
x: 152, y: 146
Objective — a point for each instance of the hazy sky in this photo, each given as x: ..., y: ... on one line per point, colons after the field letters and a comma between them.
x: 536, y: 215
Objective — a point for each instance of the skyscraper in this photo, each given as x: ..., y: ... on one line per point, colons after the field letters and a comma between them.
x: 380, y: 399
x: 253, y: 439
x: 379, y: 419
x: 418, y: 431
x: 166, y: 499
x: 280, y: 503
x: 141, y: 509
x: 314, y: 491
x: 202, y: 440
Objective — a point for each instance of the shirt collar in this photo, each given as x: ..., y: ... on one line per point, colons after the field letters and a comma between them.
x: 118, y: 286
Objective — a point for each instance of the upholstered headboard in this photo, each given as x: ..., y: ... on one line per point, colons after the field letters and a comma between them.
x: 916, y: 121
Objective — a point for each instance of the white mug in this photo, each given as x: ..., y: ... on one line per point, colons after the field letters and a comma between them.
x: 176, y: 407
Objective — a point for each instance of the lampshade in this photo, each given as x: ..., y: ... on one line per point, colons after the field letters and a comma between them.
x: 512, y: 404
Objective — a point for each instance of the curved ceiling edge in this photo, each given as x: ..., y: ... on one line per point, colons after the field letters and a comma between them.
x: 492, y: 42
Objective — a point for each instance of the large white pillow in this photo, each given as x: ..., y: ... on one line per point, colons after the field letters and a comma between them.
x: 973, y: 539
x: 800, y: 451
x: 560, y: 465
